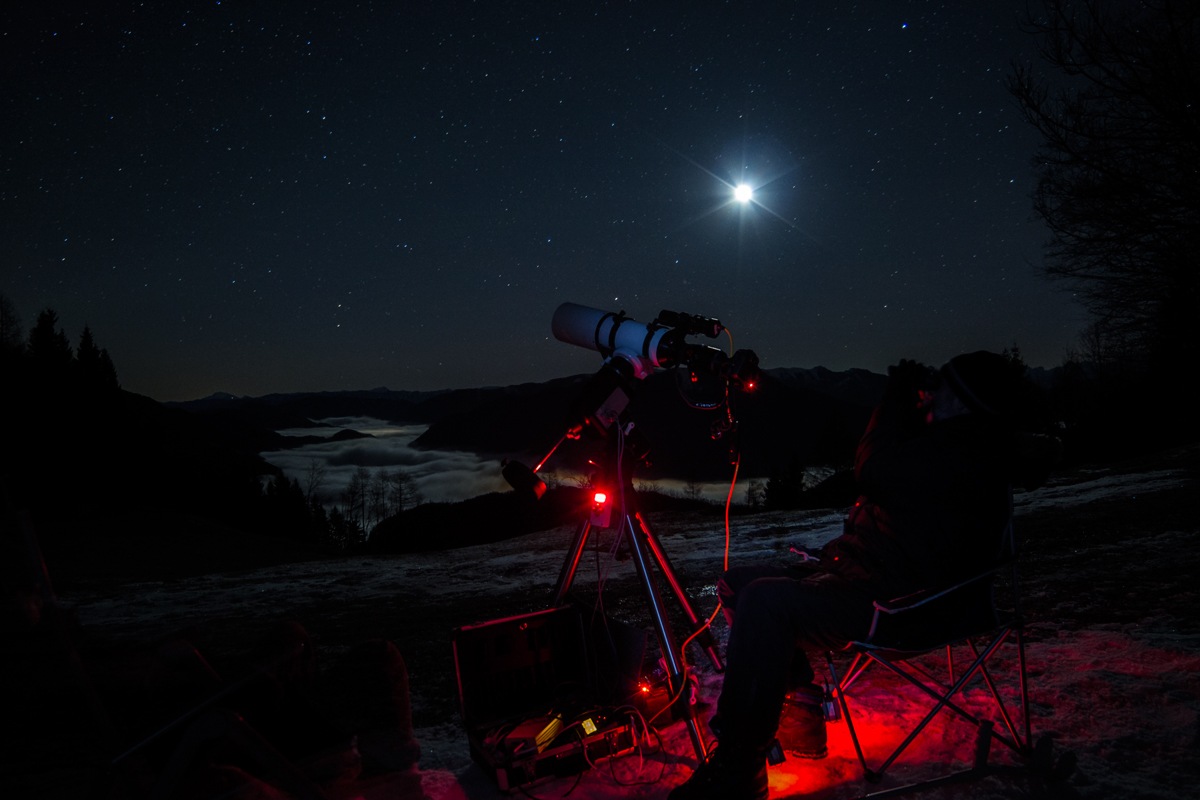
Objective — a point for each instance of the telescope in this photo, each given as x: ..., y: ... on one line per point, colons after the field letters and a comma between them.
x: 661, y: 343
x: 632, y: 351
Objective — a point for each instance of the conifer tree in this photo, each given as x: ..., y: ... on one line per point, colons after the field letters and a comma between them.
x: 107, y: 375
x: 48, y: 345
x: 87, y: 357
x: 11, y: 343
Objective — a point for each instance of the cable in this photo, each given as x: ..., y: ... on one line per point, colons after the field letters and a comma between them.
x: 708, y: 622
x: 699, y: 406
x: 683, y: 657
x: 730, y: 335
x: 583, y: 745
x: 728, y: 503
x: 647, y: 730
x: 662, y: 770
x: 602, y: 578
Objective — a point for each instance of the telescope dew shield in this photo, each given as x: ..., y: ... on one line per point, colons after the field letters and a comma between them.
x: 609, y: 333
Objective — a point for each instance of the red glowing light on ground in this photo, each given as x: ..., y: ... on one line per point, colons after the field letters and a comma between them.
x: 600, y: 497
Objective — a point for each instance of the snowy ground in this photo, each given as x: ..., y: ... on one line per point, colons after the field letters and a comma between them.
x: 1114, y: 644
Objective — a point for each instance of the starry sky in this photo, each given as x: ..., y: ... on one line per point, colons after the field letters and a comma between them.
x: 274, y: 196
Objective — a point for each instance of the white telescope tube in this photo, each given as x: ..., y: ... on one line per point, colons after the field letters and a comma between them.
x: 607, y: 333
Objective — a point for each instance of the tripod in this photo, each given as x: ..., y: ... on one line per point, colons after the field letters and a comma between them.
x: 645, y: 547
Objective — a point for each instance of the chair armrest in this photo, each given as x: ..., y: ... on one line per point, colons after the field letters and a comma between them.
x: 917, y: 599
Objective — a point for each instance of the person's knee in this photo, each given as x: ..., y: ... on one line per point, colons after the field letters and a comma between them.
x: 765, y: 594
x: 734, y: 580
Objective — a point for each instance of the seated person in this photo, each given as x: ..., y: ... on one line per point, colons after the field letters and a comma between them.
x: 934, y: 468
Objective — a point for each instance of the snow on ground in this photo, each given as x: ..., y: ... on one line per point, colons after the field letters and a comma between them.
x: 1074, y: 492
x: 1122, y: 696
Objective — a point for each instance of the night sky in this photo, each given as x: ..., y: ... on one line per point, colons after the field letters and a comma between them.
x: 263, y: 197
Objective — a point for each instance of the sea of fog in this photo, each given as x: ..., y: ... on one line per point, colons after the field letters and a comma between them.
x: 440, y: 475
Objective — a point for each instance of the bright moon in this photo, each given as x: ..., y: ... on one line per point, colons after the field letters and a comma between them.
x: 742, y: 193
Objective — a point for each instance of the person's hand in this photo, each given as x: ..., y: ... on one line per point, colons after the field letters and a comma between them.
x: 905, y: 382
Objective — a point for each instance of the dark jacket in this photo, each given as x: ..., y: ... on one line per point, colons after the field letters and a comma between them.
x: 934, y: 504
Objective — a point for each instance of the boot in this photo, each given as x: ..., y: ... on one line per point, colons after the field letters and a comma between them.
x: 802, y: 724
x: 729, y: 773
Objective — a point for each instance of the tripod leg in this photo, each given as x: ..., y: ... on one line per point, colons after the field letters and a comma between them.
x: 662, y: 626
x: 705, y: 639
x: 567, y: 575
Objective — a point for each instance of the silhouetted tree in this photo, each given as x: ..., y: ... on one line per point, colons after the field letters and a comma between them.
x: 413, y: 493
x: 288, y: 514
x: 377, y: 505
x: 314, y: 476
x: 355, y: 496
x: 87, y: 355
x: 785, y: 485
x: 340, y: 530
x: 11, y: 333
x: 48, y: 346
x: 1013, y: 356
x: 106, y: 376
x: 93, y: 367
x: 754, y: 494
x: 1119, y: 162
x: 320, y: 520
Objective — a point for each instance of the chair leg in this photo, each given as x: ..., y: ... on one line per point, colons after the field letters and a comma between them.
x: 987, y: 677
x: 1024, y: 690
x: 926, y: 673
x: 968, y: 716
x: 942, y: 701
x: 870, y: 774
x: 978, y: 770
x: 855, y: 671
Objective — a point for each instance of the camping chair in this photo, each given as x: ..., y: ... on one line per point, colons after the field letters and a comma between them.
x: 939, y: 619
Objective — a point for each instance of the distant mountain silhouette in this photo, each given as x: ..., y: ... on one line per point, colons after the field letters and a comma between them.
x: 381, y: 403
x: 814, y: 414
x: 777, y: 420
x: 859, y: 386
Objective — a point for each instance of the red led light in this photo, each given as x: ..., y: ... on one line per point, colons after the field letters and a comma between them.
x: 600, y: 497
x: 645, y: 689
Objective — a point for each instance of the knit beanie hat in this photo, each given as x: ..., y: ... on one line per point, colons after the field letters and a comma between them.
x: 985, y: 382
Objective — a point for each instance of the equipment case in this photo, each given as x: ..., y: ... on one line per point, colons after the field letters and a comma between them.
x: 522, y: 668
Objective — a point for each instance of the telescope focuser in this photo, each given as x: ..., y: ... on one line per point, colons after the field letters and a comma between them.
x: 690, y: 324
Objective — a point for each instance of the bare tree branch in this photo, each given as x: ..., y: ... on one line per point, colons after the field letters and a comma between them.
x: 1119, y: 167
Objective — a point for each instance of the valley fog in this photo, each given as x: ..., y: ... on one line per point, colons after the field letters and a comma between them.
x: 440, y: 476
